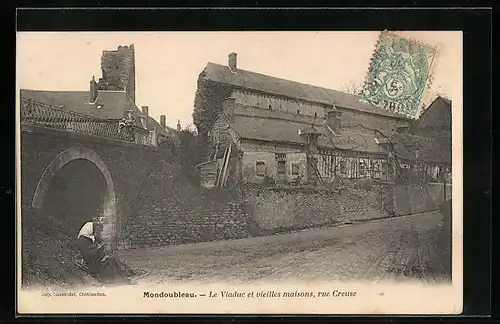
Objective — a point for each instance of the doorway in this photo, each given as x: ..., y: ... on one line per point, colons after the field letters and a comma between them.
x: 282, y: 171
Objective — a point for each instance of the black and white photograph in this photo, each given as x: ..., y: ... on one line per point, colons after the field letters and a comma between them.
x: 239, y: 172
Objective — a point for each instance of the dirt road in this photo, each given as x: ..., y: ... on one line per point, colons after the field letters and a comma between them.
x: 402, y: 247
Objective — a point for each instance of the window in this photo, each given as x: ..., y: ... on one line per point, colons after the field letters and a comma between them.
x: 376, y: 168
x: 363, y: 167
x: 295, y: 168
x: 260, y: 168
x: 342, y: 165
x: 298, y: 111
x: 280, y: 157
x: 281, y: 167
x: 353, y: 168
x: 315, y: 114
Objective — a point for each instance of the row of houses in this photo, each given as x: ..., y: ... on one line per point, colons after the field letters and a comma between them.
x: 271, y: 129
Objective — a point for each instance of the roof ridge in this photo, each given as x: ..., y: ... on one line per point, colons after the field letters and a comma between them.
x: 287, y: 80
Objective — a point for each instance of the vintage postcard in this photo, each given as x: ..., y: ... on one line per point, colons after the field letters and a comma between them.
x: 239, y: 172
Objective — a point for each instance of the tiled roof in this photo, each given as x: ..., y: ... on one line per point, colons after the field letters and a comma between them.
x: 250, y: 123
x: 260, y: 82
x: 274, y: 126
x: 436, y: 117
x: 436, y: 150
x: 114, y: 104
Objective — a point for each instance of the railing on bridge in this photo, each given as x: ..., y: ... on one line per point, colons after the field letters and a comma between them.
x: 36, y: 113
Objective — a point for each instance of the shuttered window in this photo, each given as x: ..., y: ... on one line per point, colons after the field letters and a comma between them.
x: 260, y: 168
x: 295, y: 168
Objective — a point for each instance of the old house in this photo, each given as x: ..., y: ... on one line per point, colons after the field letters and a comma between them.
x: 112, y: 97
x: 425, y: 147
x: 271, y: 129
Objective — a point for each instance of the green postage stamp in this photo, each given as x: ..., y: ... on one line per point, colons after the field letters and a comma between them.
x: 398, y: 74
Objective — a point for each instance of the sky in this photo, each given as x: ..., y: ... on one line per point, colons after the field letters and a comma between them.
x: 168, y: 63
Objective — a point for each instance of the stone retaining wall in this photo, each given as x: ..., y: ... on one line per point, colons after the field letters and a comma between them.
x: 177, y: 214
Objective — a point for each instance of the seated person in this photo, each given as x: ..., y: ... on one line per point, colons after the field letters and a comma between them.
x: 101, y: 266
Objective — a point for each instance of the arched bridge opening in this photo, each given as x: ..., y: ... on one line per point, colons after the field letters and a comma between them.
x: 75, y: 196
x: 77, y: 187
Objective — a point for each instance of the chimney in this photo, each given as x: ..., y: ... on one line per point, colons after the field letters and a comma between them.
x: 93, y: 90
x: 232, y: 61
x: 228, y: 105
x: 163, y: 121
x: 178, y: 125
x: 334, y: 120
x: 143, y: 121
x: 145, y: 111
x: 129, y: 114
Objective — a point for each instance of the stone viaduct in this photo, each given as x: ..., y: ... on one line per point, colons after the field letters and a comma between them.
x: 80, y: 177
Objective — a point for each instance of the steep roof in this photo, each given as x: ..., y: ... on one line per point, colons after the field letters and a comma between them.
x: 114, y: 103
x: 274, y: 126
x: 265, y: 83
x: 437, y: 117
x: 252, y: 123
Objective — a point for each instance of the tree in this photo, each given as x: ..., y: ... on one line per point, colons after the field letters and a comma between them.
x: 191, y: 152
x: 352, y: 88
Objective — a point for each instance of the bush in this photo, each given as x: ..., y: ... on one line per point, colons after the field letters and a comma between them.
x: 268, y: 181
x: 365, y: 184
x: 190, y: 153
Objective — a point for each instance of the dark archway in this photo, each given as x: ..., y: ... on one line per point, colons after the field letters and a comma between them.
x: 75, y: 196
x: 77, y: 187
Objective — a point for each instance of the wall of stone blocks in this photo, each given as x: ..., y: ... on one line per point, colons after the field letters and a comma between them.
x: 187, y: 214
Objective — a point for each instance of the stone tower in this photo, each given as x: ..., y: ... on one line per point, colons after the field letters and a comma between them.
x: 118, y: 70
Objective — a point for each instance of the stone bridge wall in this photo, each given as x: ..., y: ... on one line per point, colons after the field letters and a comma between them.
x: 128, y: 164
